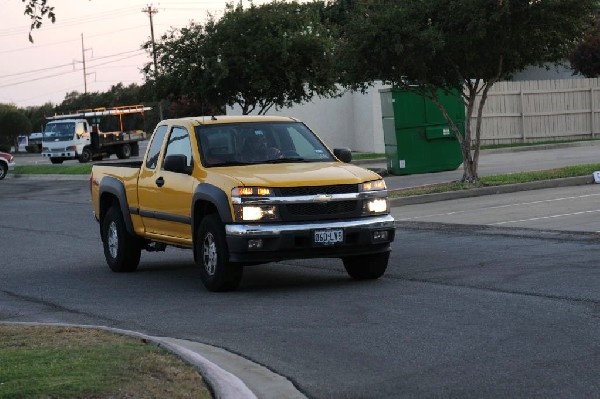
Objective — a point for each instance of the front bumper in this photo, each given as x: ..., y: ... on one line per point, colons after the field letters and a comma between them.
x: 60, y: 154
x: 295, y: 241
x: 11, y: 165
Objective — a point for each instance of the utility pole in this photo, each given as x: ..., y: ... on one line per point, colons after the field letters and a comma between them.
x: 85, y: 74
x: 151, y: 11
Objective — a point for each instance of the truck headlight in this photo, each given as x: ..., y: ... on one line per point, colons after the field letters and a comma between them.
x: 374, y: 185
x: 256, y: 213
x: 71, y: 148
x: 375, y: 205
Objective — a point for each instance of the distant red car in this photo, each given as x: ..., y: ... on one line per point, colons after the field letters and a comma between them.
x: 7, y: 162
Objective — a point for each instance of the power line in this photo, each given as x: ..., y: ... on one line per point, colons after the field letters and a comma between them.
x: 70, y: 64
x: 75, y: 21
x: 63, y: 73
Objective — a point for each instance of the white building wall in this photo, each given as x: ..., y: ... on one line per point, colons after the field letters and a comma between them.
x: 352, y: 120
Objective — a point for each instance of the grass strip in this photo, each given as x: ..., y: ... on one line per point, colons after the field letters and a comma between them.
x: 499, y: 180
x: 366, y: 155
x: 70, y: 362
x: 79, y: 169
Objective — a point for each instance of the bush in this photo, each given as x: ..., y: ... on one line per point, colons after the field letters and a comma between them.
x: 4, y: 148
x: 33, y: 149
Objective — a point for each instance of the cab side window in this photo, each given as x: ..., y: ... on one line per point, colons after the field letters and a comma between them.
x: 154, y: 150
x: 179, y: 144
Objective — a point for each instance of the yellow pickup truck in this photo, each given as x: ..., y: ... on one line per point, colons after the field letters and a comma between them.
x: 242, y: 191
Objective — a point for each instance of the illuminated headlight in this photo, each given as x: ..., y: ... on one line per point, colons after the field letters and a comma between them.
x: 375, y: 185
x: 256, y: 213
x: 251, y: 191
x: 376, y: 205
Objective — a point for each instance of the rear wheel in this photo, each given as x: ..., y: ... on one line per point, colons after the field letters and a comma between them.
x: 124, y: 151
x: 86, y: 155
x: 56, y: 160
x: 216, y: 272
x: 121, y: 249
x: 366, y: 267
x: 3, y: 171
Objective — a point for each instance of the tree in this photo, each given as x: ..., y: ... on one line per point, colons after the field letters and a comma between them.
x: 273, y: 55
x: 585, y: 59
x: 37, y: 10
x: 13, y: 123
x: 462, y: 47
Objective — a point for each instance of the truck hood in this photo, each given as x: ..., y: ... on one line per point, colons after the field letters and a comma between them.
x: 299, y: 174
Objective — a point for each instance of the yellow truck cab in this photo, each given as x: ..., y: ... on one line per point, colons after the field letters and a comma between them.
x: 241, y: 191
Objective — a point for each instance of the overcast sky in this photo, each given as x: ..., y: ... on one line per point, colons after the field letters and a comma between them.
x: 113, y: 32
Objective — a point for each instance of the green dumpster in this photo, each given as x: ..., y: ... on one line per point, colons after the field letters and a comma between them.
x: 417, y: 137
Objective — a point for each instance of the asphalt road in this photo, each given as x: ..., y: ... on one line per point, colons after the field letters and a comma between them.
x: 463, y: 311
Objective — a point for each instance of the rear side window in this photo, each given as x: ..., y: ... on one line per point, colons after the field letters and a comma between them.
x: 154, y: 150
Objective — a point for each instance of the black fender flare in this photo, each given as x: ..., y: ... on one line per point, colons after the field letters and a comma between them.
x: 115, y: 187
x: 214, y: 195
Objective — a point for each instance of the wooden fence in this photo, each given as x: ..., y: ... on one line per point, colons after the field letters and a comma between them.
x: 541, y: 110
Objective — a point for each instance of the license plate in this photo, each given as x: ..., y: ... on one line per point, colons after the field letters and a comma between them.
x: 328, y: 237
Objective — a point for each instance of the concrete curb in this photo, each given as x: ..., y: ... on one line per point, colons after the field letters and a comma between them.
x: 477, y: 192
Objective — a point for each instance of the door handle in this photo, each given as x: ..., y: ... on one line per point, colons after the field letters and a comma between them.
x: 160, y: 181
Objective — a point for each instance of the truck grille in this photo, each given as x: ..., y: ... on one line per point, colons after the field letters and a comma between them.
x: 331, y: 208
x: 319, y: 210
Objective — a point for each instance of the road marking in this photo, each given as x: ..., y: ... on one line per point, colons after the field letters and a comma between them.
x: 501, y: 206
x: 543, y: 217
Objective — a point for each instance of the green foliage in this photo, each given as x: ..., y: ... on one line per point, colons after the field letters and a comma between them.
x: 13, y: 123
x: 463, y: 46
x: 37, y: 10
x: 273, y: 55
x: 585, y: 58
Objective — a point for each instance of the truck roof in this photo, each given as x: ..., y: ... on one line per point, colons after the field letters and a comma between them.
x: 219, y: 119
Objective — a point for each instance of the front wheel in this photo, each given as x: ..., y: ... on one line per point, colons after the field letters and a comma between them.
x: 85, y: 156
x: 212, y: 255
x: 3, y: 171
x: 366, y: 267
x: 121, y: 249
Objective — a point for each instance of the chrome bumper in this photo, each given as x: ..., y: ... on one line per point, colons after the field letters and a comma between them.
x: 255, y: 230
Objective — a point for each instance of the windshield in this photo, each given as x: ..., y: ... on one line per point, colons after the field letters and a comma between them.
x: 59, y: 131
x: 259, y: 142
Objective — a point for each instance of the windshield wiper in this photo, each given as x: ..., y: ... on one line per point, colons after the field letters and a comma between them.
x: 287, y: 159
x: 229, y: 163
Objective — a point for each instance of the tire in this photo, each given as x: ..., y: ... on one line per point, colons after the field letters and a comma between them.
x: 85, y: 156
x: 216, y: 272
x: 3, y: 171
x: 121, y: 250
x: 56, y: 160
x: 366, y: 267
x: 124, y: 151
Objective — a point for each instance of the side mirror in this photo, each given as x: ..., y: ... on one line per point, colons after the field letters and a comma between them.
x: 177, y: 163
x: 343, y: 154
